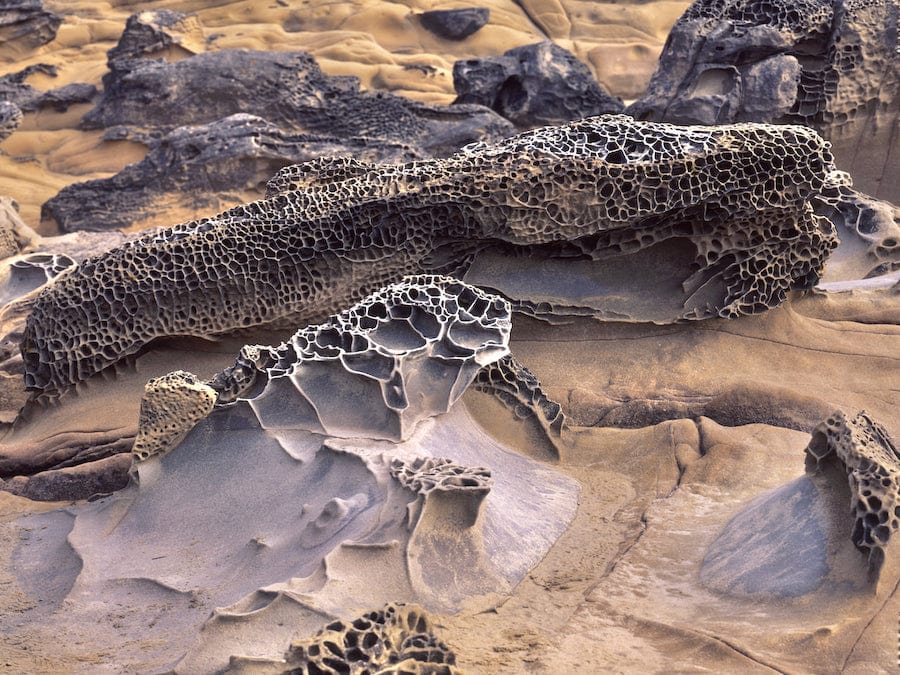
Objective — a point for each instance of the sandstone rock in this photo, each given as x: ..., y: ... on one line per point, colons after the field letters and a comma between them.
x: 10, y: 118
x: 867, y: 454
x: 150, y: 32
x: 77, y: 482
x: 603, y: 191
x: 28, y: 99
x: 533, y: 85
x: 831, y: 67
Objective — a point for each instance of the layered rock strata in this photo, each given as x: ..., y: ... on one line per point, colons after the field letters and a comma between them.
x: 595, y: 196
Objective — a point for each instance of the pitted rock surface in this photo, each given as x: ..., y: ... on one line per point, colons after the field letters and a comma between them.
x: 375, y: 370
x: 871, y: 460
x: 860, y: 220
x: 426, y: 474
x: 831, y: 66
x: 533, y: 85
x: 332, y: 232
x: 396, y: 639
x: 171, y: 406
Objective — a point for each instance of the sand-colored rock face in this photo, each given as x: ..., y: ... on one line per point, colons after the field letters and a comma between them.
x: 334, y: 230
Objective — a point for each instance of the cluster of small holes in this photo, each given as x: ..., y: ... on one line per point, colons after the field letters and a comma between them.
x: 395, y: 639
x: 350, y: 228
x: 172, y: 405
x: 426, y: 474
x: 872, y: 461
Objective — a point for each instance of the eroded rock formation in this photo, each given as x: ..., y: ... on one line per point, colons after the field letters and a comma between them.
x: 831, y: 66
x: 10, y: 118
x: 533, y: 85
x: 404, y: 353
x: 286, y: 88
x: 198, y: 164
x: 455, y: 24
x: 154, y: 32
x: 396, y: 639
x: 594, y: 196
x: 15, y: 90
x: 25, y: 24
x: 863, y: 449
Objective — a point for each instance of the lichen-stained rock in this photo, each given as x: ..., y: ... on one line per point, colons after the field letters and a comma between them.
x: 577, y: 210
x: 171, y: 406
x: 405, y: 353
x: 831, y: 66
x: 395, y: 639
x: 25, y: 24
x: 204, y: 163
x: 533, y: 85
x: 866, y: 452
x: 286, y: 88
x: 10, y: 118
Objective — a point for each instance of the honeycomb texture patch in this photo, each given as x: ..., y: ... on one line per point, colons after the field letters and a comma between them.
x: 832, y: 66
x: 426, y: 474
x: 396, y: 639
x: 439, y: 477
x: 330, y: 233
x: 869, y: 456
x: 521, y: 391
x: 171, y: 406
x: 405, y: 353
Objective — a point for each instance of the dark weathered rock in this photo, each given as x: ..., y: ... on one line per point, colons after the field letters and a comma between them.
x: 196, y: 164
x: 455, y: 24
x: 831, y: 66
x: 286, y: 88
x: 25, y: 24
x: 147, y: 33
x: 10, y: 117
x: 533, y: 85
x: 28, y: 99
